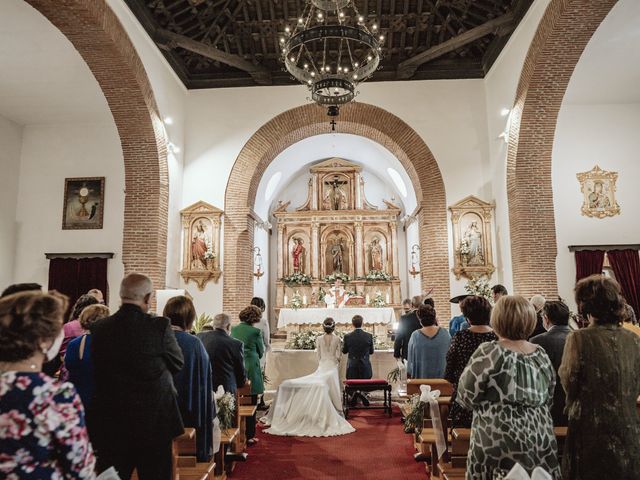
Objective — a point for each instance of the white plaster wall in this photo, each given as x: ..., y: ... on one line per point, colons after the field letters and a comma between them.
x: 500, y: 86
x: 589, y: 135
x: 11, y: 142
x: 49, y: 154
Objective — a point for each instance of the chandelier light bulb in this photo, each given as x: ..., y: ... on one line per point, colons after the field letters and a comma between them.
x: 369, y: 58
x: 361, y: 19
x: 374, y: 27
x: 313, y: 74
x: 281, y: 40
x: 341, y: 15
x: 346, y: 70
x: 328, y: 69
x: 382, y: 38
x: 300, y: 20
x: 355, y: 76
x: 306, y: 65
x: 309, y: 82
x: 339, y: 69
x: 287, y: 29
x: 319, y: 14
x: 356, y: 64
x: 292, y: 59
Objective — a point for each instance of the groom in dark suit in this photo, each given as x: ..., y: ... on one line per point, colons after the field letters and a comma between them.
x: 358, y: 345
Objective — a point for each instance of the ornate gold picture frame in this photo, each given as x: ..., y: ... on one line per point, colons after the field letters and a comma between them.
x: 598, y: 189
x: 201, y: 243
x: 472, y: 242
x: 83, y: 207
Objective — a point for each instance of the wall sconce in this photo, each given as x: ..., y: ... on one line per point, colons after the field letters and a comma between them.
x: 257, y: 263
x: 415, y: 260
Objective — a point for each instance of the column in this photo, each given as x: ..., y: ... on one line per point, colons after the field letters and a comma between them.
x: 359, y: 253
x: 315, y: 250
x: 394, y: 247
x: 281, y: 250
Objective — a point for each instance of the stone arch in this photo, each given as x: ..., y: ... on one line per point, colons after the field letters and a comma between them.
x: 97, y: 34
x: 305, y: 121
x: 563, y: 33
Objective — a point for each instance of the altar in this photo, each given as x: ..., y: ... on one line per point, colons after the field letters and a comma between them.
x: 342, y: 316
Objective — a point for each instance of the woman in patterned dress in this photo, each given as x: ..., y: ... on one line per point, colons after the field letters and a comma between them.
x: 477, y: 311
x: 42, y: 429
x: 599, y: 373
x: 509, y: 385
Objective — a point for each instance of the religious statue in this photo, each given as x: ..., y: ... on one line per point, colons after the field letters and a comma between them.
x: 337, y: 296
x: 199, y: 247
x: 598, y: 199
x: 337, y: 251
x: 298, y: 255
x: 335, y: 198
x: 473, y: 237
x: 376, y: 255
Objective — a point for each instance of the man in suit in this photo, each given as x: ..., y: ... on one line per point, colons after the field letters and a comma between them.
x: 408, y: 324
x: 556, y: 321
x: 358, y: 345
x: 136, y: 414
x: 226, y: 355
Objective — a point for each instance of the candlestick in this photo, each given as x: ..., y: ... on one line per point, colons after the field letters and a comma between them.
x: 367, y: 299
x: 387, y: 297
x: 304, y: 299
x: 286, y: 300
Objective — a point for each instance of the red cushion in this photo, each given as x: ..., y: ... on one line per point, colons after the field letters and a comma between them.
x: 364, y: 381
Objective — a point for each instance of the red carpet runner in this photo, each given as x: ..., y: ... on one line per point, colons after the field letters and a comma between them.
x: 378, y: 450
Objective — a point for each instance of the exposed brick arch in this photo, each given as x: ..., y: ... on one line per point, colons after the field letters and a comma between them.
x: 309, y: 120
x: 563, y: 33
x: 103, y: 43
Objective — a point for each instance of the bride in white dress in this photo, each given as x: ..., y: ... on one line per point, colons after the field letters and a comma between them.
x: 311, y: 406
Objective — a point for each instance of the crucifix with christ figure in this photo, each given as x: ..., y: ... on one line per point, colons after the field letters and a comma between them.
x: 335, y: 197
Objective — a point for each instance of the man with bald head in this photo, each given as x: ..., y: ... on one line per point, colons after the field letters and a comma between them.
x: 135, y: 410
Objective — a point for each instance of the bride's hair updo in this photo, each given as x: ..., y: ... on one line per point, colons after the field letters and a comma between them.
x: 329, y: 325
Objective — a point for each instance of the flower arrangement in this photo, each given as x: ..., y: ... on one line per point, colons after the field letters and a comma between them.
x: 209, y: 255
x: 378, y: 301
x: 464, y: 248
x: 226, y: 407
x: 413, y: 422
x: 377, y: 276
x: 479, y: 286
x: 296, y: 301
x: 297, y: 278
x: 379, y: 343
x: 394, y: 375
x: 201, y: 321
x: 303, y: 340
x: 337, y: 275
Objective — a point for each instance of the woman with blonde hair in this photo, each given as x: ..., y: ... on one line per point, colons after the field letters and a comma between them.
x: 509, y: 385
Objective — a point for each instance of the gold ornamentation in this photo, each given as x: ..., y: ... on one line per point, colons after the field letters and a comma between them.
x: 598, y: 189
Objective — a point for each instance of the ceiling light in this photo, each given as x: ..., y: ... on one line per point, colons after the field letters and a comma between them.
x: 504, y: 112
x: 168, y: 121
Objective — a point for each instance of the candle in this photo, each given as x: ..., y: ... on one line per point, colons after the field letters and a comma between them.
x: 387, y: 297
x: 304, y: 299
x: 367, y: 299
x: 286, y: 300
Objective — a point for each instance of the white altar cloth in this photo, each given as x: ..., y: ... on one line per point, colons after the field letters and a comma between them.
x: 307, y: 316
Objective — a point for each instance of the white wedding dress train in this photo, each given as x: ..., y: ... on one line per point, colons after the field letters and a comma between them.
x: 311, y: 406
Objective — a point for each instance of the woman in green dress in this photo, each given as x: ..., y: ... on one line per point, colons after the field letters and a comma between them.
x: 509, y: 385
x: 599, y: 373
x: 251, y: 337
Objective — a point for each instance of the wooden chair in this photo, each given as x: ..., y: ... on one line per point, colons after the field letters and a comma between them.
x: 247, y: 408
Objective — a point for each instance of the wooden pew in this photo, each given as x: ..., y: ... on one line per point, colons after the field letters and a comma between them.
x: 445, y: 387
x: 426, y: 445
x: 186, y: 462
x: 222, y: 469
x: 246, y: 409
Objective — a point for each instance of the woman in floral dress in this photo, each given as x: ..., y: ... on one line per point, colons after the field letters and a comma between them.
x: 42, y: 429
x: 509, y: 385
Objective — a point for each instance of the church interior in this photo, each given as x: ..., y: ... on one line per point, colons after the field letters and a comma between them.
x: 333, y: 158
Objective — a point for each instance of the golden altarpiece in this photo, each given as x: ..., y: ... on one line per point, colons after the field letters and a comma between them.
x: 337, y: 232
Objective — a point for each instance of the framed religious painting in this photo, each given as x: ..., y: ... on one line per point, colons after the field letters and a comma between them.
x: 471, y: 225
x: 83, y: 206
x: 201, y: 243
x: 599, y: 193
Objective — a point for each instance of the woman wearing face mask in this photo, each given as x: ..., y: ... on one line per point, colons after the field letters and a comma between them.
x: 43, y: 433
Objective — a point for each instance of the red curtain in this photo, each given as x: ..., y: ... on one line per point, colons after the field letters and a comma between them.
x: 76, y: 276
x: 626, y: 266
x: 588, y: 262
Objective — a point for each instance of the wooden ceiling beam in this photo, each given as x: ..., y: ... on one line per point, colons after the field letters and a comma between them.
x: 408, y: 68
x: 171, y: 40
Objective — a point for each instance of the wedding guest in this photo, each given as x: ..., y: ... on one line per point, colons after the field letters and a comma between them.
x: 629, y: 319
x: 21, y: 287
x: 97, y: 293
x: 428, y: 346
x: 406, y: 306
x: 135, y: 355
x: 42, y: 429
x: 538, y: 302
x: 477, y: 311
x: 263, y: 325
x: 556, y: 322
x: 358, y: 345
x: 458, y: 322
x: 193, y: 382
x: 408, y: 324
x: 498, y: 291
x: 77, y: 360
x: 73, y: 329
x: 509, y: 385
x: 225, y: 354
x: 251, y: 337
x: 599, y: 373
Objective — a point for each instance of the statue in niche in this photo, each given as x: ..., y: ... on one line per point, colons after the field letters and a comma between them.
x: 337, y: 250
x: 376, y: 255
x: 335, y: 197
x: 200, y: 242
x: 298, y: 255
x: 473, y: 238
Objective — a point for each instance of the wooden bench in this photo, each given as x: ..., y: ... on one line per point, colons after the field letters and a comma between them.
x: 445, y: 387
x: 186, y: 462
x: 227, y: 439
x: 246, y: 408
x: 366, y: 385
